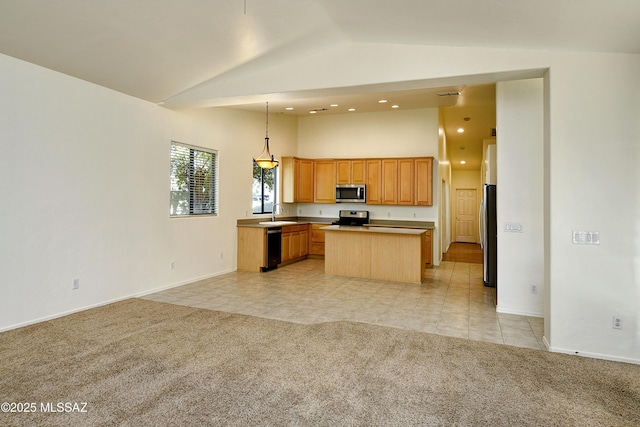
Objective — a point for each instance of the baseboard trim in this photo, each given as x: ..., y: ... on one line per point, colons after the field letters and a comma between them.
x: 504, y: 310
x: 107, y: 302
x: 593, y: 355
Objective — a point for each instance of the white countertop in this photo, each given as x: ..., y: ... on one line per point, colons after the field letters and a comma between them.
x: 385, y: 230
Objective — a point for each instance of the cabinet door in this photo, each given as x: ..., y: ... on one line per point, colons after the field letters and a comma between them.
x: 286, y: 243
x: 427, y: 254
x: 374, y: 182
x: 294, y: 245
x: 304, y: 180
x: 325, y: 181
x: 252, y: 248
x: 424, y: 182
x: 358, y: 172
x: 389, y: 192
x: 343, y: 171
x: 316, y: 240
x: 304, y: 243
x: 406, y: 180
x: 288, y: 165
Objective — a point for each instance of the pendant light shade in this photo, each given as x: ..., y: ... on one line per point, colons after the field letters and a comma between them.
x: 266, y: 160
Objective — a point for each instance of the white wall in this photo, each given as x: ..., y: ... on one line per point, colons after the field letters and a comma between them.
x: 412, y: 133
x: 520, y: 196
x: 592, y: 157
x: 397, y: 133
x: 593, y: 138
x: 84, y: 177
x: 595, y: 185
x: 444, y: 193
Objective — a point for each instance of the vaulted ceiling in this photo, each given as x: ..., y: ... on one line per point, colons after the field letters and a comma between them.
x: 175, y: 52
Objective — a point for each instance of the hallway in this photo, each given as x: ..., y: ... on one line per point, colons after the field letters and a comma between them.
x: 464, y: 252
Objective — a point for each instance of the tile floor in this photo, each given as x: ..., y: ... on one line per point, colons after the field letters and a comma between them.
x: 451, y: 301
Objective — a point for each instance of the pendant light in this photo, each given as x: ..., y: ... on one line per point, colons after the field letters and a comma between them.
x: 265, y: 160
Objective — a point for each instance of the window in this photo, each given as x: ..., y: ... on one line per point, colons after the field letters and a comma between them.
x: 194, y: 180
x: 264, y: 185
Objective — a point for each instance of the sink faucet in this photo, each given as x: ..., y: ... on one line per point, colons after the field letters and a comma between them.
x: 273, y: 211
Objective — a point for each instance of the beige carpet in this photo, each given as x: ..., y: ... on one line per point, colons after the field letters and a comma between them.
x: 144, y: 363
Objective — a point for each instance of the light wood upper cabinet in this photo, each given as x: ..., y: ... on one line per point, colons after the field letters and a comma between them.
x: 374, y: 182
x: 325, y: 181
x: 399, y: 181
x: 358, y: 171
x: 305, y: 171
x: 297, y: 180
x: 343, y: 171
x: 424, y: 181
x: 406, y: 180
x: 389, y: 193
x: 351, y: 171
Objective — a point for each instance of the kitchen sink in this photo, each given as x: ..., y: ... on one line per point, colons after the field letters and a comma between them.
x: 277, y: 223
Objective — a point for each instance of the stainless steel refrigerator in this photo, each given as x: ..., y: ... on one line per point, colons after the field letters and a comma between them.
x: 490, y: 236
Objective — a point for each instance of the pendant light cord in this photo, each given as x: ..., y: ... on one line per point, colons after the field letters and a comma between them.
x: 267, y: 132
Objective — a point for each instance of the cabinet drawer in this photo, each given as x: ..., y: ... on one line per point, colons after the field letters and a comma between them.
x: 316, y: 248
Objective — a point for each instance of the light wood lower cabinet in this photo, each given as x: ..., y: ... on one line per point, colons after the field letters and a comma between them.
x: 394, y: 255
x: 252, y: 248
x: 295, y: 241
x: 316, y: 239
x: 427, y: 253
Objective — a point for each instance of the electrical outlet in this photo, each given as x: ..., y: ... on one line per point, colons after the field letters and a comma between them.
x: 76, y: 284
x: 172, y: 265
x: 534, y: 289
x: 320, y: 211
x: 389, y: 214
x: 300, y: 211
x: 617, y: 322
x: 221, y: 255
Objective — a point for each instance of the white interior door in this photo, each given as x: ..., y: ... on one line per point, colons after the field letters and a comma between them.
x: 466, y: 215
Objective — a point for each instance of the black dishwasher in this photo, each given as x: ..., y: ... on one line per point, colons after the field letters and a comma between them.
x: 274, y: 247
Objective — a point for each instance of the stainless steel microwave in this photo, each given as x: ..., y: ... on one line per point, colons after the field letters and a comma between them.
x: 351, y: 193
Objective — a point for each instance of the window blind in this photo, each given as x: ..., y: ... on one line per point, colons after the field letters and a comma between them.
x: 194, y: 178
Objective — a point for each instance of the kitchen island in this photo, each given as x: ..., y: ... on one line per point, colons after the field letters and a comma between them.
x: 381, y: 253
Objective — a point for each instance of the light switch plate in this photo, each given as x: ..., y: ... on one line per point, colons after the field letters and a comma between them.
x: 513, y: 227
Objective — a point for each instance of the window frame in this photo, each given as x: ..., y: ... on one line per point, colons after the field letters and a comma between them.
x: 262, y: 188
x: 192, y: 181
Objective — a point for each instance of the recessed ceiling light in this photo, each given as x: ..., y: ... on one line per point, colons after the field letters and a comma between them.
x: 382, y: 101
x: 460, y: 130
x: 352, y: 109
x: 333, y: 105
x: 289, y: 108
x: 462, y: 162
x: 395, y: 106
x: 312, y: 112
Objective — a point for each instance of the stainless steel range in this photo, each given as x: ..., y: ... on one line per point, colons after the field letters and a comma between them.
x: 357, y: 218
